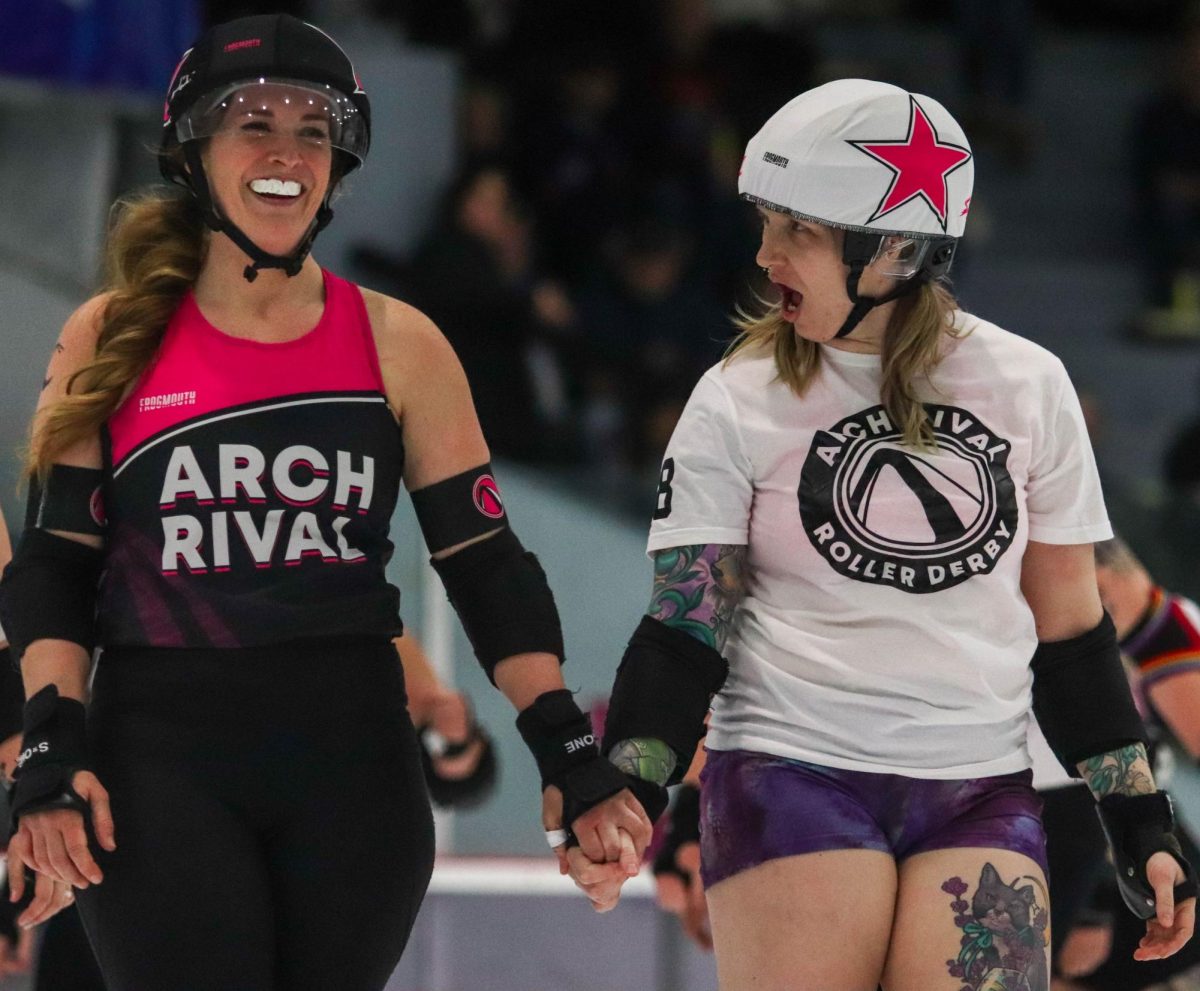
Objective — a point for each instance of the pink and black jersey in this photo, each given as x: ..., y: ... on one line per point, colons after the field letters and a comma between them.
x: 250, y: 487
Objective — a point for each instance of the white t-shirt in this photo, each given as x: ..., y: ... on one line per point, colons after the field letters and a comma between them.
x: 883, y: 627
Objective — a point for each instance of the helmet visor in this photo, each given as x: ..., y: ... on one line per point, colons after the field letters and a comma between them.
x: 314, y: 115
x: 900, y: 257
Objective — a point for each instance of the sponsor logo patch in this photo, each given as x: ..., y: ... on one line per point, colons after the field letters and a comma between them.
x: 167, y: 400
x: 486, y: 496
x: 772, y: 159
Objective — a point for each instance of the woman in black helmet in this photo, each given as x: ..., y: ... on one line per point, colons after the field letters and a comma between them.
x: 214, y: 466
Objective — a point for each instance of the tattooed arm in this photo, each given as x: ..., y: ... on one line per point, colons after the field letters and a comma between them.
x: 1119, y: 772
x: 696, y: 590
x: 1059, y: 583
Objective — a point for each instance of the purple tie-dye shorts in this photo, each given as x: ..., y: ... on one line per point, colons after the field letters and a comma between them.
x: 758, y: 807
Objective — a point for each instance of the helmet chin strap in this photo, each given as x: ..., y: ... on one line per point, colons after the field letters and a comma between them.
x: 858, y: 251
x: 260, y: 259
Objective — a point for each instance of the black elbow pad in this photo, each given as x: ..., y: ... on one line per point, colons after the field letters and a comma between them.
x: 503, y: 600
x: 663, y: 688
x: 48, y: 591
x: 1081, y: 696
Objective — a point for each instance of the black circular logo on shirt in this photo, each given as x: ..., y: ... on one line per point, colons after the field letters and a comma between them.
x: 919, y: 521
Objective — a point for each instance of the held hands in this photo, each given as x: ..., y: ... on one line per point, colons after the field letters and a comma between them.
x: 54, y: 843
x: 612, y: 838
x: 583, y: 792
x: 1172, y: 924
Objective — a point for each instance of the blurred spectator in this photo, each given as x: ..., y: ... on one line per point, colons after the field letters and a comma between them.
x: 1180, y: 518
x: 727, y: 229
x: 476, y: 277
x: 651, y: 329
x: 484, y: 119
x: 757, y: 68
x: 574, y: 155
x: 996, y: 45
x: 1131, y: 512
x: 1166, y: 162
x: 708, y: 112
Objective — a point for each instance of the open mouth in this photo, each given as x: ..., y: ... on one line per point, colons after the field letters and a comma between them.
x: 277, y: 190
x: 790, y: 299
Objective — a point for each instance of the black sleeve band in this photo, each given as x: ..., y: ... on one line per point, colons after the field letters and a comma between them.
x: 500, y: 593
x: 53, y: 749
x: 1138, y: 826
x: 71, y: 499
x: 1081, y: 697
x: 459, y: 508
x: 662, y: 691
x: 48, y: 591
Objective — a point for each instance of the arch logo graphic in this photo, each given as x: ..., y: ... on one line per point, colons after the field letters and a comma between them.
x: 919, y: 521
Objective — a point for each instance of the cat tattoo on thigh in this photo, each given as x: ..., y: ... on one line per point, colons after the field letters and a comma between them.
x: 1004, y: 934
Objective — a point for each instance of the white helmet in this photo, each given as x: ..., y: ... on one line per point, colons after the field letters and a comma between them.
x: 875, y: 161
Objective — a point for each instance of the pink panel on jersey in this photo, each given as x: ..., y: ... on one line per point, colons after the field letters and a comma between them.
x: 200, y: 370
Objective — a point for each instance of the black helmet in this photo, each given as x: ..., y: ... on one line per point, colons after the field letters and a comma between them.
x: 227, y: 67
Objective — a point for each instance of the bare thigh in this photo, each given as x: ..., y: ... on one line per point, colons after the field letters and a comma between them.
x: 819, y: 920
x: 969, y: 917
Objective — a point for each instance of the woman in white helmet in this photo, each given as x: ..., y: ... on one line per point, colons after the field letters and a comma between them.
x: 871, y: 516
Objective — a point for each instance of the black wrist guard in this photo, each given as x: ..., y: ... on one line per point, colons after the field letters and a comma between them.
x: 684, y: 827
x: 1138, y: 826
x: 53, y: 750
x: 459, y: 793
x: 564, y: 746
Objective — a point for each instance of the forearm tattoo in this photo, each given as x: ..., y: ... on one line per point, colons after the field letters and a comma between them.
x: 698, y: 588
x: 1119, y: 772
x: 650, y: 760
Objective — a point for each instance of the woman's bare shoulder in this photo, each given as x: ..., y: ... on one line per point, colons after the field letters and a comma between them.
x: 405, y: 338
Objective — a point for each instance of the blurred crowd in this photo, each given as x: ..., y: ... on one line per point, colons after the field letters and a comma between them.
x: 587, y: 258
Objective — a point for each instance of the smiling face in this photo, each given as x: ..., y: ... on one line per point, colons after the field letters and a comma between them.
x: 803, y: 260
x: 269, y: 163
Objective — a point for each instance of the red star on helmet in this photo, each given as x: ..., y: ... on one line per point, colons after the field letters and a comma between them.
x: 920, y: 164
